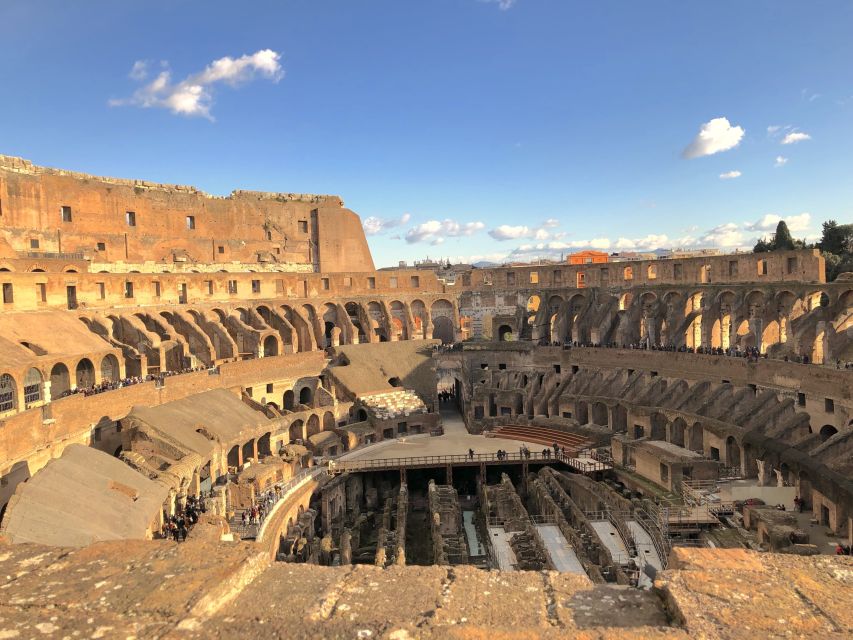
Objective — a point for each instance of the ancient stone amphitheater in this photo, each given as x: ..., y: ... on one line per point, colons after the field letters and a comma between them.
x: 218, y: 419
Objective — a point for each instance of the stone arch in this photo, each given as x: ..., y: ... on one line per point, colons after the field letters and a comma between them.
x: 697, y: 438
x: 8, y: 393
x: 399, y: 325
x: 33, y: 387
x: 620, y: 419
x: 234, y: 456
x: 60, y: 380
x: 296, y: 430
x: 110, y: 371
x: 733, y: 458
x: 677, y: 431
x: 328, y: 421
x: 265, y: 445
x: 826, y: 432
x: 419, y: 316
x: 249, y: 450
x: 306, y: 396
x: 600, y: 414
x: 442, y: 329
x: 313, y: 425
x: 804, y: 488
x: 84, y: 374
x: 270, y: 346
x: 505, y: 333
x: 287, y: 400
x: 658, y: 422
x: 377, y: 315
x: 582, y: 412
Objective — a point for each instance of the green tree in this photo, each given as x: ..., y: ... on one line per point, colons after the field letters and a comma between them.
x: 782, y: 240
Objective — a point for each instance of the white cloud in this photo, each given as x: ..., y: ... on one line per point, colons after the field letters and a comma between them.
x: 773, y: 129
x: 508, y: 232
x: 374, y: 226
x: 724, y: 235
x: 795, y: 136
x: 139, y: 70
x: 651, y: 241
x: 503, y: 5
x: 781, y: 161
x: 715, y: 136
x: 435, y: 231
x: 193, y: 96
x: 769, y: 221
x: 730, y: 175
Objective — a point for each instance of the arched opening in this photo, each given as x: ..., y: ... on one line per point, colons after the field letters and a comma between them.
x: 697, y: 438
x: 676, y: 432
x: 234, y: 456
x: 328, y: 421
x: 620, y: 419
x: 362, y: 415
x: 306, y: 395
x: 248, y: 451
x: 287, y: 400
x: 264, y: 448
x: 295, y: 430
x: 8, y: 393
x: 582, y: 413
x: 85, y: 374
x: 33, y: 387
x: 395, y: 382
x: 270, y: 346
x: 60, y: 380
x: 826, y: 432
x: 442, y: 329
x: 505, y: 333
x: 328, y: 328
x: 313, y: 425
x: 732, y: 452
x: 109, y: 368
x: 599, y: 414
x: 659, y: 423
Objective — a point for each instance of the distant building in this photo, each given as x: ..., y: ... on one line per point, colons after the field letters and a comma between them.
x: 588, y: 257
x: 693, y: 253
x: 632, y: 256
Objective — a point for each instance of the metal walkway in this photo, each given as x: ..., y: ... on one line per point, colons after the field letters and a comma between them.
x: 562, y: 555
x: 646, y: 552
x: 612, y: 540
x: 475, y: 547
x: 503, y: 553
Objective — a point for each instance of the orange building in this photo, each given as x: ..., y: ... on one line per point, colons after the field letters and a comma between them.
x: 588, y: 257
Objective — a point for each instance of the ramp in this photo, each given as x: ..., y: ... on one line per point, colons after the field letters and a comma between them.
x: 475, y: 547
x: 611, y: 539
x: 562, y: 555
x: 503, y: 553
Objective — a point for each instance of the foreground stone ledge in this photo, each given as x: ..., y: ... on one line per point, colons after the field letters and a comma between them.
x: 207, y: 589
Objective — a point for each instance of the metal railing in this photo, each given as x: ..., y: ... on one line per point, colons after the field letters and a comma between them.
x: 284, y: 488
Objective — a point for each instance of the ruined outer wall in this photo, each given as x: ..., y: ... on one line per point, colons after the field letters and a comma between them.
x: 300, y: 229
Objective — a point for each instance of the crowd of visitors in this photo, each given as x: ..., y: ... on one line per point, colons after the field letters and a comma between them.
x: 446, y: 395
x: 177, y: 526
x: 262, y: 505
x: 110, y: 385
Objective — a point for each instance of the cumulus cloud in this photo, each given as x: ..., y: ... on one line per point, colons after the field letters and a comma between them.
x: 769, y: 221
x: 435, y: 231
x: 730, y: 175
x: 795, y: 136
x: 651, y: 241
x: 715, y: 136
x: 503, y: 5
x: 517, y: 232
x: 374, y: 226
x: 781, y: 161
x: 193, y: 96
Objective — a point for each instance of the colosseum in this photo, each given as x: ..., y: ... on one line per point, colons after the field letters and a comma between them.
x: 218, y: 419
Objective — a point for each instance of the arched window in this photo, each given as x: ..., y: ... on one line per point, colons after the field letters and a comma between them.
x: 32, y: 387
x: 8, y: 393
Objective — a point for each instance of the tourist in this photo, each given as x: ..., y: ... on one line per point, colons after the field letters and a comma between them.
x: 471, y: 454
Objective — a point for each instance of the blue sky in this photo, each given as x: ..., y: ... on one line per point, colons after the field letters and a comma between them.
x: 470, y: 129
